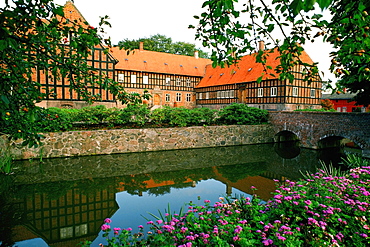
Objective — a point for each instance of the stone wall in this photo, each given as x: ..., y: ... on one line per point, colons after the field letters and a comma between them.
x: 82, y: 143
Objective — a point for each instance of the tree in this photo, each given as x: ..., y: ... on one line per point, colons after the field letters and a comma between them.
x: 161, y: 43
x: 33, y: 35
x: 232, y: 30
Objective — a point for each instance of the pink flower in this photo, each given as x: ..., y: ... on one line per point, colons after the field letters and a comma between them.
x: 105, y: 227
x: 107, y: 220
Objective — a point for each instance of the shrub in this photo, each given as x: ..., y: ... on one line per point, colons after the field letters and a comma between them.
x: 178, y: 116
x: 324, y: 210
x: 160, y: 115
x: 242, y: 114
x: 135, y: 114
x: 201, y: 116
x: 54, y: 119
x: 91, y: 114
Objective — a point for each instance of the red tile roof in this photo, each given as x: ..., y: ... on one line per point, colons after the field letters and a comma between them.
x: 246, y: 70
x: 159, y: 62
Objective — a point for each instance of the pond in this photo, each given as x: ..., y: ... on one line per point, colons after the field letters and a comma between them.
x: 64, y: 201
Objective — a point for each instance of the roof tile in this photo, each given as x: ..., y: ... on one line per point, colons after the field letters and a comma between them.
x: 159, y: 62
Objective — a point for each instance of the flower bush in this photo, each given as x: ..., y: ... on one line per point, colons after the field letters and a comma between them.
x: 322, y: 210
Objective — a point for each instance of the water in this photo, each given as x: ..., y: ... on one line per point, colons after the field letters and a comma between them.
x: 61, y: 202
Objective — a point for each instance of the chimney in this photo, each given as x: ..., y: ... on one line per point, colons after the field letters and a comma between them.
x: 261, y: 45
x: 141, y: 46
x: 196, y: 54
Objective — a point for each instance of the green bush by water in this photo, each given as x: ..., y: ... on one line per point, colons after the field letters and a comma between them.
x: 56, y: 119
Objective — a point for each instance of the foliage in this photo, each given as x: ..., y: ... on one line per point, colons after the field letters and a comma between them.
x: 34, y: 34
x: 327, y: 104
x: 324, y: 210
x: 54, y: 119
x: 355, y: 160
x: 242, y: 114
x: 6, y: 162
x: 232, y: 29
x: 201, y: 116
x: 161, y: 43
x: 136, y: 114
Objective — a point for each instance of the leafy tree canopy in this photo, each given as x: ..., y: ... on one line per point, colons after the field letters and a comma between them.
x: 232, y: 29
x: 161, y: 43
x: 32, y: 34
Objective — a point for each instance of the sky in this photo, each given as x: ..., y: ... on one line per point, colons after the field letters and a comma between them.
x: 134, y: 19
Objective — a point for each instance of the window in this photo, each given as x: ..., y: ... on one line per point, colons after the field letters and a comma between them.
x: 178, y: 82
x: 121, y: 77
x: 273, y: 91
x: 260, y: 92
x: 339, y: 109
x: 313, y: 93
x: 295, y: 91
x: 133, y: 78
x: 178, y: 97
x: 344, y: 109
x: 168, y: 81
x: 218, y: 94
x: 207, y: 95
x: 168, y: 97
x: 231, y: 93
x: 188, y: 82
x: 188, y: 97
x: 145, y: 79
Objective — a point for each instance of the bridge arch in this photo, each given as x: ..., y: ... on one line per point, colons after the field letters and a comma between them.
x: 317, y: 129
x: 286, y: 136
x: 339, y: 138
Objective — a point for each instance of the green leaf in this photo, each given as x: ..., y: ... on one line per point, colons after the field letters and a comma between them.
x: 5, y: 99
x: 323, y: 4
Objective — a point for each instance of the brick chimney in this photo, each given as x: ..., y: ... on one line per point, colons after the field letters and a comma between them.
x: 141, y: 46
x: 261, y: 45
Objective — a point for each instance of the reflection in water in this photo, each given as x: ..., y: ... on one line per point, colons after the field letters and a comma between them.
x: 64, y: 201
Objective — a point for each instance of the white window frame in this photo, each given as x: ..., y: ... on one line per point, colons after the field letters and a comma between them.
x: 178, y: 82
x: 231, y: 94
x: 178, y: 97
x: 218, y: 94
x: 260, y: 92
x: 133, y: 78
x: 295, y: 91
x: 188, y: 97
x: 168, y: 97
x: 273, y: 91
x: 188, y: 82
x: 145, y: 79
x: 312, y: 93
x: 168, y: 81
x: 121, y: 77
x: 344, y: 109
x: 199, y: 95
x: 207, y: 95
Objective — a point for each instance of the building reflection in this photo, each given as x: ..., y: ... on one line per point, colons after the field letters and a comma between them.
x: 64, y: 221
x: 49, y: 202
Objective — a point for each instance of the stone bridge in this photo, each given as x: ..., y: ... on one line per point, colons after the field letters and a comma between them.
x: 318, y: 130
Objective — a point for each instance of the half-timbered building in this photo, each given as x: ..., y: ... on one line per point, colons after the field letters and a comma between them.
x: 58, y: 92
x: 238, y: 84
x: 169, y: 78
